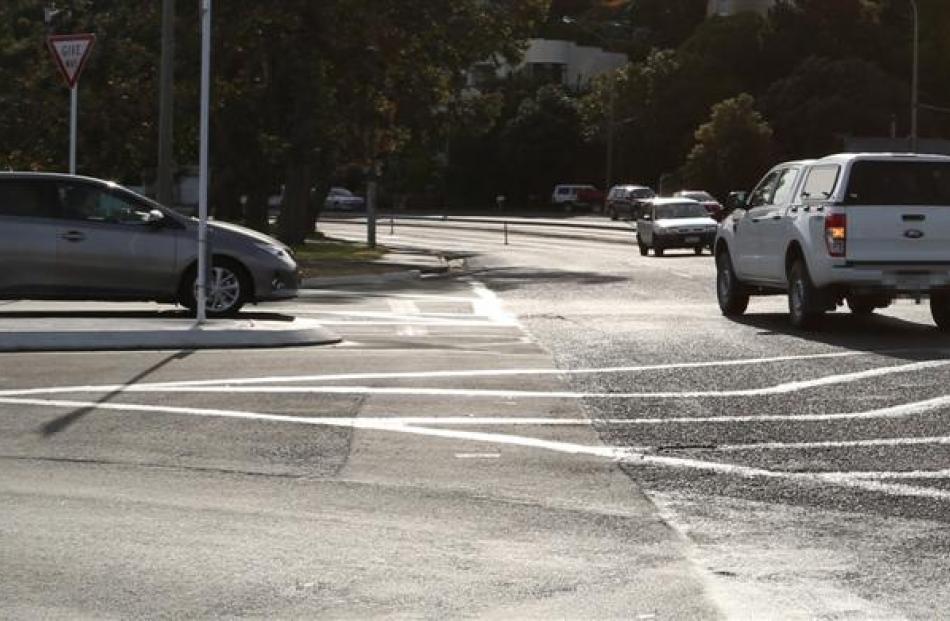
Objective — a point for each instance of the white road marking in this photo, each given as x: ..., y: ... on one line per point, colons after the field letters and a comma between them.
x: 409, y: 310
x: 277, y: 379
x: 624, y: 455
x: 772, y: 446
x: 777, y: 389
x: 488, y: 305
x: 905, y: 474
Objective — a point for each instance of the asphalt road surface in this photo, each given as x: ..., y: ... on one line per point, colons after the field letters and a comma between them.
x: 563, y: 430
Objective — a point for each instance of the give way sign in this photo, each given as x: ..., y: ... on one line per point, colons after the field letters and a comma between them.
x: 70, y: 53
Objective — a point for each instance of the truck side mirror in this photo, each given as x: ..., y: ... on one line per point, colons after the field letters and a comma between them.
x: 737, y: 200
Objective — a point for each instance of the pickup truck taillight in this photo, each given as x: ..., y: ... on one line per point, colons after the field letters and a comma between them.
x: 836, y: 234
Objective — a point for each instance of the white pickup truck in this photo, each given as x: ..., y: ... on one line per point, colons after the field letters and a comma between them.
x: 861, y: 228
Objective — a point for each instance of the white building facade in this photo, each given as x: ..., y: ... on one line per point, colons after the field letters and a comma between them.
x: 556, y: 61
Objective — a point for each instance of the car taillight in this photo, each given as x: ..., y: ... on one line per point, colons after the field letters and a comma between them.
x: 836, y: 234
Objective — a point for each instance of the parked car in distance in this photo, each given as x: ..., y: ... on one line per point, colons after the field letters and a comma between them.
x: 624, y: 201
x: 706, y: 199
x: 341, y: 199
x: 674, y: 223
x: 571, y: 195
x: 69, y: 237
x: 863, y: 228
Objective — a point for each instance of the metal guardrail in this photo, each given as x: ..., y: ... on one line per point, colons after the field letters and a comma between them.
x: 490, y: 220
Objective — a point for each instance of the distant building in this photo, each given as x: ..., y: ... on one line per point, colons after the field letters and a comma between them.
x: 554, y: 61
x: 724, y: 8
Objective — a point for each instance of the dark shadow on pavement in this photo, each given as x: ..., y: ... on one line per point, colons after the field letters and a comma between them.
x: 170, y: 314
x: 503, y: 279
x: 875, y: 333
x: 66, y: 420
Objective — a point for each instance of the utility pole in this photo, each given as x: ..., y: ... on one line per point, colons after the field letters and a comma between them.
x: 166, y: 113
x: 914, y: 95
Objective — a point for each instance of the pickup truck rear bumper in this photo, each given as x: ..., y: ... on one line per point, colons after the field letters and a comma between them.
x: 905, y: 279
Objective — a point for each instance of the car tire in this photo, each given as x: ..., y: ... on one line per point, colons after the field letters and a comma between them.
x: 612, y: 213
x: 644, y: 249
x: 860, y: 306
x: 940, y: 310
x: 804, y: 304
x: 228, y: 290
x: 658, y: 251
x: 732, y: 295
x: 698, y: 250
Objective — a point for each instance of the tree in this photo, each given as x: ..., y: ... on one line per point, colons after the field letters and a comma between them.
x: 824, y: 100
x: 539, y: 144
x: 732, y: 149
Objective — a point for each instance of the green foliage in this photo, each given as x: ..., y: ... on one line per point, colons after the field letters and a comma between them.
x: 824, y: 100
x: 732, y: 149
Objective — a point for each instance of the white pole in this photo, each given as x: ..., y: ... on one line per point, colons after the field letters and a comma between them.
x: 202, y: 292
x: 73, y: 121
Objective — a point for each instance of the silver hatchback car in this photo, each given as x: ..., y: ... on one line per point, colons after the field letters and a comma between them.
x: 69, y: 237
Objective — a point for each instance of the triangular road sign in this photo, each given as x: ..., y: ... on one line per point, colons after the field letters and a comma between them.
x: 70, y: 53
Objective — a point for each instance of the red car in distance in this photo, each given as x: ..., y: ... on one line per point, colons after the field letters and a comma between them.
x: 705, y: 198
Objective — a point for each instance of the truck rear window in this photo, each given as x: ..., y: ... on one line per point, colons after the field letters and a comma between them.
x: 899, y: 183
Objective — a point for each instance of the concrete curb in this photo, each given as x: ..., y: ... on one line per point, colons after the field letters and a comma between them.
x: 101, y: 334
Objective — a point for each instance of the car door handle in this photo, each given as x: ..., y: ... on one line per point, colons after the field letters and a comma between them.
x: 73, y: 236
x: 777, y: 217
x: 914, y: 217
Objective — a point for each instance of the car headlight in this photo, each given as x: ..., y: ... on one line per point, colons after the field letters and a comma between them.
x: 281, y: 252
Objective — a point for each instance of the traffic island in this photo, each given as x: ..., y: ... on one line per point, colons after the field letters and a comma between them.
x: 104, y: 333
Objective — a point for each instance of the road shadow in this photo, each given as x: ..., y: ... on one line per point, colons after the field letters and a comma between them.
x: 63, y: 422
x: 874, y: 333
x: 103, y: 314
x: 506, y: 279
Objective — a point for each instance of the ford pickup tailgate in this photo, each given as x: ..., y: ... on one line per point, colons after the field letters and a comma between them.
x: 898, y: 212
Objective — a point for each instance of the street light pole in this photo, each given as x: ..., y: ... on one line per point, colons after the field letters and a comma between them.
x: 913, y: 94
x: 202, y: 285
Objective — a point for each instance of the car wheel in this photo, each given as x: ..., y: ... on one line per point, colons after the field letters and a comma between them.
x: 940, y: 310
x: 612, y: 213
x: 860, y: 306
x: 698, y: 250
x: 803, y: 297
x: 228, y: 289
x: 644, y: 249
x: 658, y: 251
x: 732, y: 296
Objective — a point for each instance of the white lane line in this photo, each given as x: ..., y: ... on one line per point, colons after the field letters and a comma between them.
x: 276, y: 379
x: 348, y: 293
x: 902, y: 474
x: 407, y: 309
x: 624, y: 455
x: 488, y: 305
x: 834, y: 444
x: 778, y: 389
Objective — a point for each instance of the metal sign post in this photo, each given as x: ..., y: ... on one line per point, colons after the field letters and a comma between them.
x: 70, y: 53
x: 202, y: 284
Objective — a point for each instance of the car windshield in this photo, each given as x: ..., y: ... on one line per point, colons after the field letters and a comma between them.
x: 680, y: 210
x: 899, y: 183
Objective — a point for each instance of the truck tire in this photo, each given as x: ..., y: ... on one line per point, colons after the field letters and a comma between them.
x: 940, y: 310
x: 804, y: 303
x: 732, y: 296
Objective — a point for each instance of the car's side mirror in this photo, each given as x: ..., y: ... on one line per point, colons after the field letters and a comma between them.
x: 737, y: 200
x: 155, y: 218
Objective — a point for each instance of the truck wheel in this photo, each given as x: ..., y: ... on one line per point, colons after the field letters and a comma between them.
x: 732, y: 296
x: 804, y: 305
x: 860, y: 306
x: 644, y: 249
x: 940, y: 310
